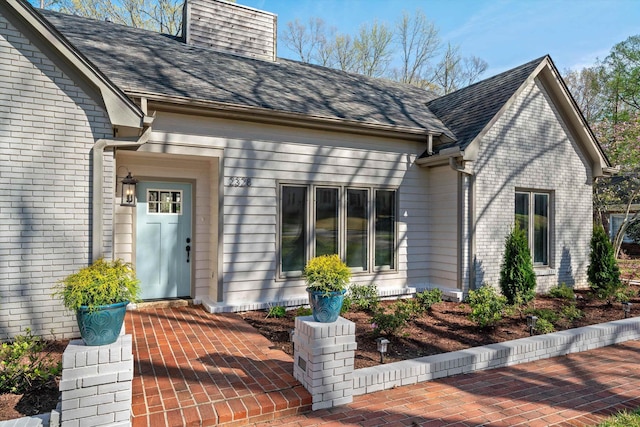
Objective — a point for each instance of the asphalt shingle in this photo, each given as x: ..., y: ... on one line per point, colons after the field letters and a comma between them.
x: 141, y: 61
x: 145, y: 62
x: 467, y: 111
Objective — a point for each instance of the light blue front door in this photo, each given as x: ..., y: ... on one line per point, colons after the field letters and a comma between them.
x: 163, y: 239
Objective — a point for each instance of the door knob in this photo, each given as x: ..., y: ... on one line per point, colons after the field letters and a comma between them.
x: 188, y: 248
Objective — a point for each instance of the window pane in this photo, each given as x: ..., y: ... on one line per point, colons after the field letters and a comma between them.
x: 152, y: 201
x: 385, y: 218
x: 541, y: 229
x: 293, y: 226
x: 522, y: 212
x: 357, y: 226
x: 326, y: 221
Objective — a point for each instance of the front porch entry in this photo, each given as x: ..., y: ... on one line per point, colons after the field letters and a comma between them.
x: 163, y: 239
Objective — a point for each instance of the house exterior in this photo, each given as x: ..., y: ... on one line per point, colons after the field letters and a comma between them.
x: 249, y: 165
x: 613, y: 218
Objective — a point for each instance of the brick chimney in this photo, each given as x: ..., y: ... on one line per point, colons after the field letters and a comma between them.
x: 230, y: 27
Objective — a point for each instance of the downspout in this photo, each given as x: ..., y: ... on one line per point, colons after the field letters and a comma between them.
x: 430, y: 144
x: 97, y: 226
x: 464, y: 170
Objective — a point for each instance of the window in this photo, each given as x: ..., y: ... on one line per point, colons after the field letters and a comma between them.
x: 293, y: 226
x: 615, y: 222
x: 359, y: 224
x: 385, y: 228
x: 164, y: 202
x: 532, y: 216
x: 357, y: 229
x: 326, y: 221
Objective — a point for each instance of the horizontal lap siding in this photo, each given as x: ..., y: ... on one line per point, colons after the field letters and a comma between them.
x: 145, y: 166
x: 442, y: 250
x: 529, y: 147
x: 271, y: 154
x: 49, y: 126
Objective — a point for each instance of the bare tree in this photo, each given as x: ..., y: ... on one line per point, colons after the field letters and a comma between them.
x: 472, y: 68
x: 158, y: 15
x: 454, y: 72
x: 373, y: 49
x: 445, y: 71
x: 344, y: 53
x: 306, y: 40
x: 586, y: 87
x: 45, y: 4
x: 419, y: 43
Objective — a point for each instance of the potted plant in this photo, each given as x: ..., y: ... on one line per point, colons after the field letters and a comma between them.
x: 327, y: 278
x: 99, y: 295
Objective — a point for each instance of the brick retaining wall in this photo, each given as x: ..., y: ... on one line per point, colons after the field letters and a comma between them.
x: 319, y: 346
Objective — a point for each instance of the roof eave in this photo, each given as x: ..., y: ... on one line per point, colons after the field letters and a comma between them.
x: 548, y: 74
x: 121, y: 110
x: 223, y: 110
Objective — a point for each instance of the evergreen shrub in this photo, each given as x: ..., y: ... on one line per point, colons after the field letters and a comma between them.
x: 517, y: 278
x: 603, y: 271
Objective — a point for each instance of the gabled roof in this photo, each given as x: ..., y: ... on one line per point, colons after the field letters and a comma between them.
x: 146, y: 63
x: 121, y: 110
x: 466, y: 112
x: 470, y: 112
x: 161, y: 68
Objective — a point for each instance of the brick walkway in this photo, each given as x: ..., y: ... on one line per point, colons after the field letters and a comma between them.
x: 575, y: 390
x: 195, y: 368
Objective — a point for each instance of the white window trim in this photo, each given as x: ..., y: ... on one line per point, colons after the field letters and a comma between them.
x: 310, y: 242
x: 530, y: 226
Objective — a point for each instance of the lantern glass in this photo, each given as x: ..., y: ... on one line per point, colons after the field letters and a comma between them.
x: 128, y: 194
x: 382, y: 344
x: 531, y: 321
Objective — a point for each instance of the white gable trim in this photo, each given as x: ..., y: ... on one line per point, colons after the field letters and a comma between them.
x: 121, y: 110
x: 547, y: 74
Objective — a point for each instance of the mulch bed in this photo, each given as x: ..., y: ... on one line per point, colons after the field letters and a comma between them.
x: 445, y: 328
x: 41, y: 399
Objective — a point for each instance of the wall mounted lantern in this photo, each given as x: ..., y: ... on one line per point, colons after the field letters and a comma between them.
x: 128, y: 194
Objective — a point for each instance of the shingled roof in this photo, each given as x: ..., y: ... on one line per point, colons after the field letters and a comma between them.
x: 467, y: 111
x: 140, y: 61
x: 143, y: 62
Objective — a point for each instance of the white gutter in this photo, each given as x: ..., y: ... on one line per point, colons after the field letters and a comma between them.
x: 453, y: 164
x: 97, y: 226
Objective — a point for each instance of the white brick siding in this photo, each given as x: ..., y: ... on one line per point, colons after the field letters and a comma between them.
x: 530, y: 148
x: 48, y: 127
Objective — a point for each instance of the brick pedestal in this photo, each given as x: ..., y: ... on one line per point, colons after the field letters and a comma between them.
x: 323, y: 360
x: 96, y: 384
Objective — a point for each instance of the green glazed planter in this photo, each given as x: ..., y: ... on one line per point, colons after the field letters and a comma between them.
x: 326, y: 307
x: 101, y: 326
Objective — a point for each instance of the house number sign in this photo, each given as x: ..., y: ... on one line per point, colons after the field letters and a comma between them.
x: 239, y: 181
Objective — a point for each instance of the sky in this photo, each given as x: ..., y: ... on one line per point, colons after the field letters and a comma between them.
x: 505, y: 33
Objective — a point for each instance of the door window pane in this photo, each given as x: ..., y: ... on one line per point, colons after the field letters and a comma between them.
x: 357, y: 229
x: 541, y: 229
x: 293, y: 228
x: 164, y: 202
x: 326, y: 221
x: 385, y: 225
